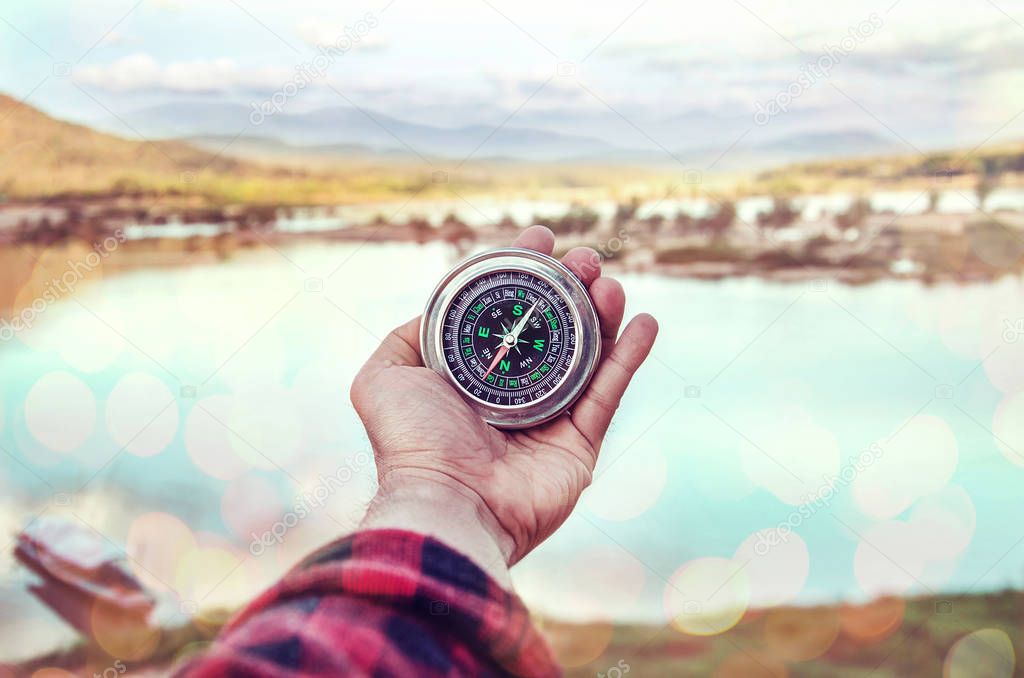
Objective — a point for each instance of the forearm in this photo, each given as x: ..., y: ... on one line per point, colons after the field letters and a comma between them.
x: 426, y: 503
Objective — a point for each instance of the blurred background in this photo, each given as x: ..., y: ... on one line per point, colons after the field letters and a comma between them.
x: 211, y: 212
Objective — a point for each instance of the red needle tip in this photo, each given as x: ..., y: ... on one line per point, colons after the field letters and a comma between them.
x: 501, y: 354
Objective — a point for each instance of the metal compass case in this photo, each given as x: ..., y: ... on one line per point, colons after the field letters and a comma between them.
x: 516, y: 333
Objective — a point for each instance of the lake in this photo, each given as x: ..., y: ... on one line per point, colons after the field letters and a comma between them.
x: 786, y: 443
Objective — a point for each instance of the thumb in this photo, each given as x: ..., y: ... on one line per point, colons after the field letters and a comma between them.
x: 400, y: 347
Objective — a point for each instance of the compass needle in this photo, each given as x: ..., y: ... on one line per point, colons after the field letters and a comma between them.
x: 497, y: 358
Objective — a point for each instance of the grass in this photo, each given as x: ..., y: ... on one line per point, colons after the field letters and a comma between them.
x: 936, y: 171
x: 887, y: 638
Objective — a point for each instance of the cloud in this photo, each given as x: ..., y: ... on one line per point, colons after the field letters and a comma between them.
x: 514, y: 89
x: 141, y: 72
x: 117, y: 39
x: 360, y: 34
x: 975, y: 51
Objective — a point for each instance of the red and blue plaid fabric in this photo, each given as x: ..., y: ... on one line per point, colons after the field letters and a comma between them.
x: 380, y: 603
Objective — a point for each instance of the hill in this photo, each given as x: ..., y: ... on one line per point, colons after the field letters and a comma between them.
x: 999, y: 163
x: 43, y: 156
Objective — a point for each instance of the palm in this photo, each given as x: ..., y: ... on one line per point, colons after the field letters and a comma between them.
x: 530, y: 480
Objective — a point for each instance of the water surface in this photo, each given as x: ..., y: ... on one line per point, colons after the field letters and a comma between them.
x: 184, y: 410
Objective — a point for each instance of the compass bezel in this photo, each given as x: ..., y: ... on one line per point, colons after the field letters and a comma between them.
x: 564, y: 282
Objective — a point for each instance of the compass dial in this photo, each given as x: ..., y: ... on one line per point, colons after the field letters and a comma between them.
x: 515, y: 332
x: 509, y: 338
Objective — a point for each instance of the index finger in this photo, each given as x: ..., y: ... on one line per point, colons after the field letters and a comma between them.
x: 593, y: 412
x: 536, y: 238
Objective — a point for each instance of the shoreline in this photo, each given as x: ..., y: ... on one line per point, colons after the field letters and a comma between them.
x: 40, y: 246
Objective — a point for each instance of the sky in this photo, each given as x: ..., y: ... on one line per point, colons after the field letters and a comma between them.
x: 923, y: 74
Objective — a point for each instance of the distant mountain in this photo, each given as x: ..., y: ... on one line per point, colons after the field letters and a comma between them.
x: 639, y: 129
x: 700, y: 135
x: 268, y: 148
x: 832, y: 144
x: 697, y: 138
x: 754, y: 156
x: 369, y: 129
x: 800, y: 148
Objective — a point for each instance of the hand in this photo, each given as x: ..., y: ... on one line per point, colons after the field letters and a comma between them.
x: 493, y: 494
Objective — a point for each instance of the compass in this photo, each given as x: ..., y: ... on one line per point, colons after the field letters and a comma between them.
x: 516, y: 333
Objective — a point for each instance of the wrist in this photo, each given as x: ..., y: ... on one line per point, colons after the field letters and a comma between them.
x: 431, y: 503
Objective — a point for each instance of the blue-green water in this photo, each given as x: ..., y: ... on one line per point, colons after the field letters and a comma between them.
x: 227, y: 383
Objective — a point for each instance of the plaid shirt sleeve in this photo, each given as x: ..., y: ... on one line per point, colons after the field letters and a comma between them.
x: 380, y: 603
